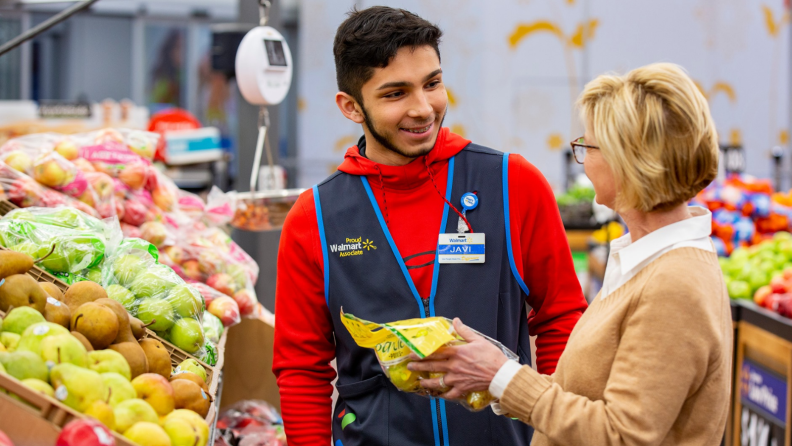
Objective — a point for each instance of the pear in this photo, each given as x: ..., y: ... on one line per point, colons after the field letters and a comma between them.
x: 147, y: 433
x: 9, y: 340
x: 40, y: 386
x: 21, y: 290
x: 130, y: 412
x: 158, y: 358
x: 83, y: 340
x: 12, y: 262
x: 104, y: 361
x: 76, y: 387
x: 63, y: 348
x: 3, y: 349
x: 186, y: 428
x: 81, y: 293
x: 134, y: 355
x: 187, y: 334
x: 24, y: 365
x: 57, y: 312
x: 126, y: 268
x: 138, y: 328
x: 52, y: 290
x: 188, y: 395
x: 123, y: 317
x: 117, y: 389
x: 102, y: 412
x: 21, y: 318
x: 97, y: 323
x: 191, y: 365
x: 33, y: 336
x: 190, y: 376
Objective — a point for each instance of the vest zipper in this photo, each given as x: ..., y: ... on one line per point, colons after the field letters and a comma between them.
x: 425, y: 301
x: 436, y: 401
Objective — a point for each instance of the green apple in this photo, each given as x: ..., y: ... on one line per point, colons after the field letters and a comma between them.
x: 122, y: 296
x: 782, y: 236
x: 21, y: 318
x: 63, y: 348
x: 24, y: 365
x: 9, y: 340
x: 185, y: 300
x: 109, y: 361
x: 33, y: 336
x: 187, y: 334
x: 93, y: 274
x: 118, y: 388
x: 193, y: 366
x: 758, y: 278
x: 157, y: 310
x: 213, y: 327
x: 154, y: 282
x: 238, y: 273
x: 739, y: 290
x: 126, y: 268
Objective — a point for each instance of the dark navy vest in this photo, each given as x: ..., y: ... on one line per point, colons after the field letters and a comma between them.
x: 373, y: 283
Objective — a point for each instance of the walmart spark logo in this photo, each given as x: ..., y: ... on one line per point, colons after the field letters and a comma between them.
x: 369, y: 245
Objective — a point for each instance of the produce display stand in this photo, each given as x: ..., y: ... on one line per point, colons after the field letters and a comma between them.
x: 6, y: 207
x: 762, y: 377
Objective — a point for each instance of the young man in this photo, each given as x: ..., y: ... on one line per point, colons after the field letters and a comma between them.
x: 367, y: 238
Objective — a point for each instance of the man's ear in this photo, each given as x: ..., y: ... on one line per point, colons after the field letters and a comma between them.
x: 349, y: 107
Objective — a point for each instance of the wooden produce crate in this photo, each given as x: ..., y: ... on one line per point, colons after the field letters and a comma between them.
x: 38, y: 419
x: 6, y: 207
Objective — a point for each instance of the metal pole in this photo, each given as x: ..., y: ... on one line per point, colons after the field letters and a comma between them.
x: 33, y: 32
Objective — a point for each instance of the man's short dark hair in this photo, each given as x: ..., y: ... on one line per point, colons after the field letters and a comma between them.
x: 370, y: 38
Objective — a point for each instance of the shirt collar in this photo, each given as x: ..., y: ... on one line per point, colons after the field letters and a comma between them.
x: 633, y: 254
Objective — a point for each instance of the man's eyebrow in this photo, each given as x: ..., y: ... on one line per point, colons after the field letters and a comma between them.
x: 400, y: 84
x: 433, y: 74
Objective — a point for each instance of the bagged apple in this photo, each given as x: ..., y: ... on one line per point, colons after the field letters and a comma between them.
x: 395, y: 341
x: 25, y: 192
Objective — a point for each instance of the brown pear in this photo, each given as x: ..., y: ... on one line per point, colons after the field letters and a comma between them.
x: 12, y: 262
x: 134, y: 355
x: 188, y: 395
x: 124, y: 329
x: 83, y: 340
x: 81, y: 293
x: 52, y: 290
x: 21, y: 290
x: 190, y: 376
x: 57, y: 312
x: 159, y: 360
x: 97, y: 323
x: 138, y: 327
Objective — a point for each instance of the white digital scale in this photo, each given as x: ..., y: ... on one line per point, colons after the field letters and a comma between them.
x: 264, y: 66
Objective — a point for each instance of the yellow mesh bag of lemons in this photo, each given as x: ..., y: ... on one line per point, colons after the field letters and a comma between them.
x: 394, y: 341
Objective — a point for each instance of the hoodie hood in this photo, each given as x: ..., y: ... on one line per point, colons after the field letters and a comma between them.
x: 410, y: 175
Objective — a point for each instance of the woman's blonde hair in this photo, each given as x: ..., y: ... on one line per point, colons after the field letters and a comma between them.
x: 654, y: 129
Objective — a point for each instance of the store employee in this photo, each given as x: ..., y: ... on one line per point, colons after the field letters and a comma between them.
x: 366, y: 239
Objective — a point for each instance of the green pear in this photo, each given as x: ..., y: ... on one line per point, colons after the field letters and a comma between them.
x: 129, y: 412
x: 126, y: 268
x: 105, y: 361
x: 39, y: 385
x: 117, y: 388
x: 33, y: 335
x: 187, y: 334
x: 9, y: 340
x: 158, y: 311
x: 20, y: 318
x: 76, y: 387
x: 154, y: 282
x: 63, y: 348
x: 185, y: 300
x: 122, y: 296
x: 24, y: 365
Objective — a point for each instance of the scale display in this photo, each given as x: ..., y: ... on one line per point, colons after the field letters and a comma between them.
x: 275, y: 54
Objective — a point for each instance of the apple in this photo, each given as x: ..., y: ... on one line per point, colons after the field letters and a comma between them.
x: 4, y: 440
x: 134, y: 175
x: 50, y: 173
x: 245, y: 301
x: 185, y: 301
x: 130, y: 231
x: 127, y: 267
x: 134, y: 212
x: 157, y: 312
x: 226, y: 309
x: 191, y: 366
x: 187, y: 334
x: 129, y: 412
x: 222, y: 282
x: 209, y: 260
x: 102, y: 184
x: 68, y: 149
x: 155, y: 390
x: 778, y: 285
x: 154, y: 232
x: 163, y: 198
x: 84, y: 165
x: 148, y: 434
x: 192, y: 269
x: 175, y: 253
x: 85, y: 432
x: 19, y: 161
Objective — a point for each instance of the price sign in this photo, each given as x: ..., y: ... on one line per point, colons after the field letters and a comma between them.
x: 734, y: 159
x: 763, y: 395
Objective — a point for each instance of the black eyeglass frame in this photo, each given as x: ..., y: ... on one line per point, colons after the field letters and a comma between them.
x: 575, y: 145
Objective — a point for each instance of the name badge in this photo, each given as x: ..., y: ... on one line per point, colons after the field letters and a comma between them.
x: 461, y: 248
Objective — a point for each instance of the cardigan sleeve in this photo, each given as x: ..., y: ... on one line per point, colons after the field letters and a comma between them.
x: 668, y: 342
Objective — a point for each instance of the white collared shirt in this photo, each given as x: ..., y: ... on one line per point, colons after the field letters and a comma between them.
x: 627, y: 259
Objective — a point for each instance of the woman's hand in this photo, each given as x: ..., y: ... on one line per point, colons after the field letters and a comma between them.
x: 469, y: 368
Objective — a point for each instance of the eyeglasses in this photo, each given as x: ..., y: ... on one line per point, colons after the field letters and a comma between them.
x: 579, y: 149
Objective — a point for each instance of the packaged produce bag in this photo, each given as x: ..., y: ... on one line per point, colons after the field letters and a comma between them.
x: 24, y: 191
x: 393, y: 342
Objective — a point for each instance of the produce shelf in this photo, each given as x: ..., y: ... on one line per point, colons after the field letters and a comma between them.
x: 6, y: 207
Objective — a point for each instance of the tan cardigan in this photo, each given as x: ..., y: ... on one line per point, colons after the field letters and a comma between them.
x: 648, y: 365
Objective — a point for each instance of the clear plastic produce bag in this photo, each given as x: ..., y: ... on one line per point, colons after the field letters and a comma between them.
x: 394, y: 342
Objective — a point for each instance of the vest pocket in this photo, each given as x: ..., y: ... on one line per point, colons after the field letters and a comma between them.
x: 368, y: 402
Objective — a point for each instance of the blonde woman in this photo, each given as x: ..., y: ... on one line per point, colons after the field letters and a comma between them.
x: 649, y: 363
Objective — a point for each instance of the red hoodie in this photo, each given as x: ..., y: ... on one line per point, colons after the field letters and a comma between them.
x: 413, y: 208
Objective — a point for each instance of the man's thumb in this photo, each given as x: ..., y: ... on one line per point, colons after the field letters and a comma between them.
x: 464, y: 331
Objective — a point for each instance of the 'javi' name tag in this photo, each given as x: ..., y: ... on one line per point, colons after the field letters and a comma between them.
x: 461, y: 248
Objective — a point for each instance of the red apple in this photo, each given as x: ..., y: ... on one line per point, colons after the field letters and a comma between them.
x: 192, y: 269
x: 245, y: 301
x: 226, y: 309
x: 68, y: 149
x: 134, y: 175
x: 175, y: 253
x: 4, y: 440
x: 134, y: 212
x: 84, y: 165
x: 762, y: 294
x: 102, y: 183
x: 778, y: 285
x: 784, y: 305
x: 85, y: 432
x: 154, y: 232
x: 222, y: 282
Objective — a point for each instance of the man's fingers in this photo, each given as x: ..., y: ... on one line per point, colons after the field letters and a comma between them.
x: 431, y: 384
x: 442, y: 353
x: 428, y: 366
x: 453, y: 394
x: 464, y: 331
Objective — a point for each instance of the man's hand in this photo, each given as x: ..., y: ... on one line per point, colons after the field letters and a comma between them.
x: 468, y: 368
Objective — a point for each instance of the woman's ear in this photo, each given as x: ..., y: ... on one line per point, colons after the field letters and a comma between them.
x: 349, y: 107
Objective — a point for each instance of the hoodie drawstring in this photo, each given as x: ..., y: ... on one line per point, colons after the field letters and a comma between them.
x: 384, y: 201
x: 431, y: 176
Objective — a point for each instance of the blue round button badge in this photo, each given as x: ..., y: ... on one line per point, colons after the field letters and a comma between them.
x: 469, y: 201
